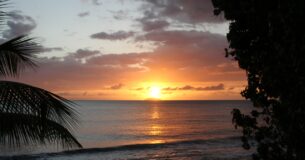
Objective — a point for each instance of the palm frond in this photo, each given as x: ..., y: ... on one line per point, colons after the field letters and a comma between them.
x: 17, y: 54
x: 3, y: 4
x: 22, y: 99
x: 21, y: 129
x: 2, y: 17
x: 25, y: 99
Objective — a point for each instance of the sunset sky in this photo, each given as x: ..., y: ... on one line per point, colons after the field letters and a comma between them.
x: 127, y: 49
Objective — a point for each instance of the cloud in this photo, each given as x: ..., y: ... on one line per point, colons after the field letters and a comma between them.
x: 84, y: 14
x: 192, y: 88
x: 18, y: 24
x: 116, y: 86
x: 69, y: 75
x: 183, y: 56
x: 185, y: 38
x: 50, y: 49
x: 212, y: 88
x: 84, y: 53
x: 119, y: 60
x: 119, y: 15
x: 180, y: 55
x: 185, y: 49
x: 154, y: 25
x: 138, y: 89
x: 120, y: 35
x: 186, y: 11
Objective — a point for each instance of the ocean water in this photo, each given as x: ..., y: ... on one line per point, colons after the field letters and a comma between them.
x: 149, y: 130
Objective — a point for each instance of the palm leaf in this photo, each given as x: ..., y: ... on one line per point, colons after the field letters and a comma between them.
x: 3, y: 4
x: 21, y: 99
x: 17, y: 54
x: 21, y: 129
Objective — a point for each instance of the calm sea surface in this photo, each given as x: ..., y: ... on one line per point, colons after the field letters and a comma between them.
x: 151, y: 130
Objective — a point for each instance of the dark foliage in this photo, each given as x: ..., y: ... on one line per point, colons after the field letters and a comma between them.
x: 30, y: 115
x: 3, y: 4
x: 267, y: 38
x: 16, y: 54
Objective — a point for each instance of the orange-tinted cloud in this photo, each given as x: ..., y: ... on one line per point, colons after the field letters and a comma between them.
x: 183, y: 56
x: 192, y: 88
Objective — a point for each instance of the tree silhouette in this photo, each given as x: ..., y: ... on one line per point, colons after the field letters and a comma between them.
x: 267, y: 38
x: 30, y: 115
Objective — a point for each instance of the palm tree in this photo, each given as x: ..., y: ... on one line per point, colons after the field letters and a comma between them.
x: 30, y: 115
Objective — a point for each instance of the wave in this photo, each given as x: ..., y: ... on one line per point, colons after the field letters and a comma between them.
x: 220, y: 141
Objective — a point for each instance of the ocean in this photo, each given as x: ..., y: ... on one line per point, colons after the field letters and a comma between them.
x: 179, y: 130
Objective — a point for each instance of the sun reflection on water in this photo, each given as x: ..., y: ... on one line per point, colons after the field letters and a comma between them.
x: 155, y: 129
x: 157, y: 141
x: 155, y: 115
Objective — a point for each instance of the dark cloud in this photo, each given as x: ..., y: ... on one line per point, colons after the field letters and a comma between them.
x: 189, y: 87
x: 116, y: 86
x: 120, y: 35
x: 231, y: 88
x: 186, y: 49
x: 185, y: 38
x: 18, y: 24
x: 187, y: 11
x: 84, y: 53
x: 212, y: 88
x: 154, y: 25
x: 84, y: 14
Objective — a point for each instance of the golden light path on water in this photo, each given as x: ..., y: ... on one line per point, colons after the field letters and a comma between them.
x: 156, y: 129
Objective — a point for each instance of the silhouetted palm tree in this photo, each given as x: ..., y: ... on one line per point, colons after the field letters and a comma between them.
x: 30, y: 115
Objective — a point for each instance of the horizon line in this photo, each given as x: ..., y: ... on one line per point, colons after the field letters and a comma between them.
x: 159, y: 100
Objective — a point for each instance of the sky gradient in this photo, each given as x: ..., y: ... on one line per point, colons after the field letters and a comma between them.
x: 124, y: 49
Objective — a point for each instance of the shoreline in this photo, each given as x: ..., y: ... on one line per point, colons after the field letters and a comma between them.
x: 196, y: 148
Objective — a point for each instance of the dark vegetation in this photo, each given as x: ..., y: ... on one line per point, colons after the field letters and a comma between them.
x: 267, y: 38
x: 30, y: 115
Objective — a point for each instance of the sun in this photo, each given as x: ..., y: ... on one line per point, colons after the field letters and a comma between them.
x: 155, y: 92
